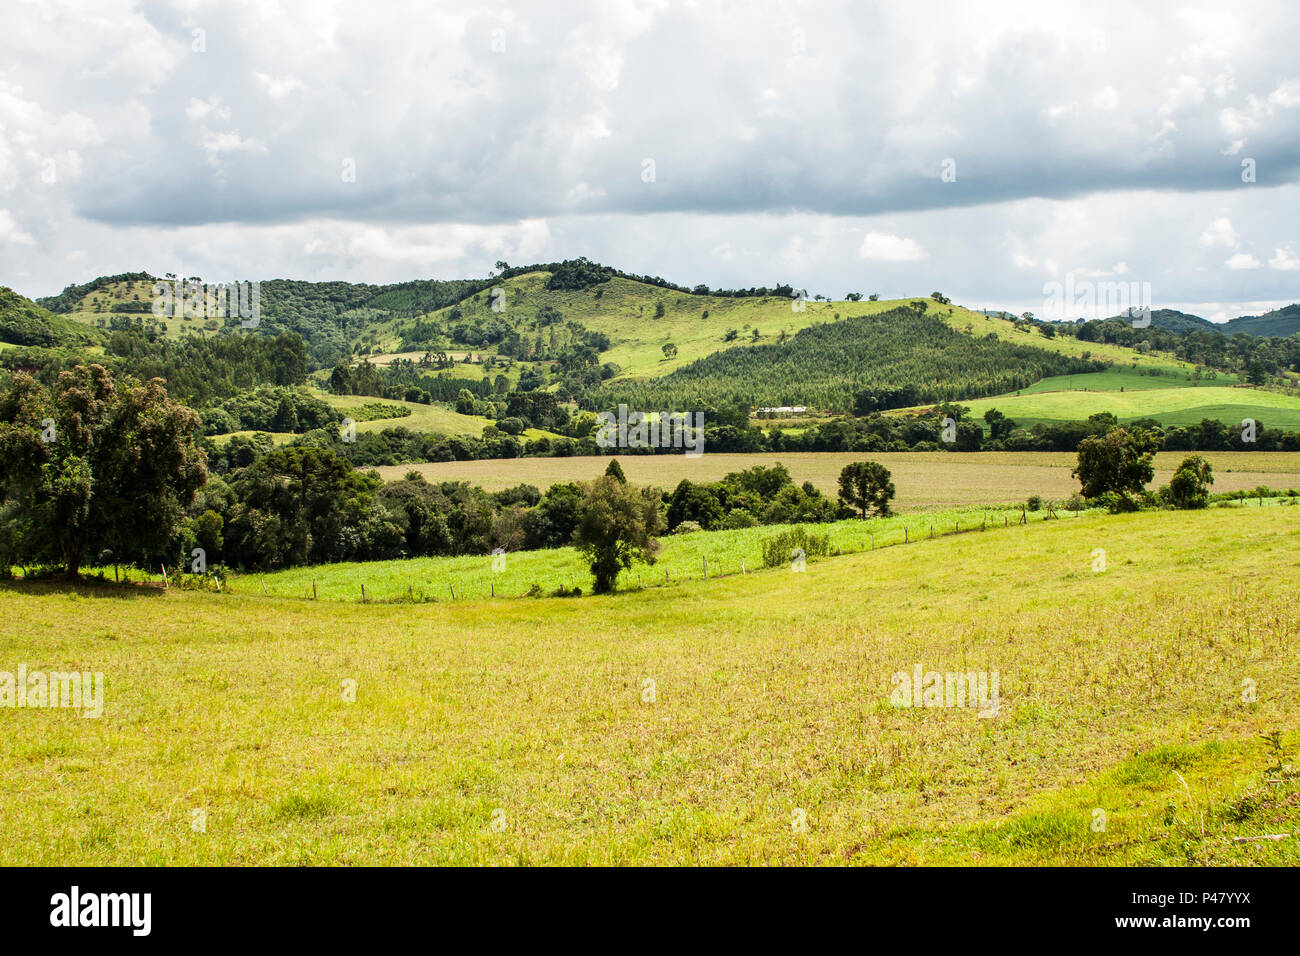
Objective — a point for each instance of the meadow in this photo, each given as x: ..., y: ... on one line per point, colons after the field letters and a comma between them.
x: 1179, y: 405
x: 1147, y: 714
x: 924, y: 480
x: 683, y: 557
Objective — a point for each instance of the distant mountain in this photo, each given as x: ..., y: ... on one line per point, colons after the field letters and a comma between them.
x: 1279, y: 323
x: 1171, y: 320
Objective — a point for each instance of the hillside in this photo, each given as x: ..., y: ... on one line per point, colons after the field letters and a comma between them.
x: 1279, y: 322
x: 23, y: 322
x: 892, y: 359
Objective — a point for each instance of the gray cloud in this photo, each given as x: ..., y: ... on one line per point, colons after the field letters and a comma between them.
x: 781, y: 136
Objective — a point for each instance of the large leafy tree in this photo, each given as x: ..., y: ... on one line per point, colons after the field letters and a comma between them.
x: 305, y: 505
x: 1190, y: 486
x: 866, y: 486
x: 93, y: 464
x: 1119, y: 461
x: 617, y: 525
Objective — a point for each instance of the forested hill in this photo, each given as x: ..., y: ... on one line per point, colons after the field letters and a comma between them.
x: 23, y: 322
x: 892, y: 359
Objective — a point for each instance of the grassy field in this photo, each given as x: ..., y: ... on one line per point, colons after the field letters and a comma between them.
x: 422, y: 418
x: 683, y: 557
x: 1127, y: 379
x: 925, y: 480
x: 744, y: 719
x: 437, y: 419
x: 1170, y: 406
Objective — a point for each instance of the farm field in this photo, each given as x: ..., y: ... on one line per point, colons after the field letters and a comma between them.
x: 744, y: 719
x: 422, y: 418
x: 1180, y: 405
x: 696, y: 555
x: 925, y: 480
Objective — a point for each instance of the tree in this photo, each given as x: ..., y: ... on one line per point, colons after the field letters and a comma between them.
x: 94, y: 464
x: 999, y: 425
x: 866, y: 486
x: 1118, y: 461
x: 617, y: 525
x: 1189, y: 488
x: 615, y: 470
x: 669, y: 350
x: 659, y: 310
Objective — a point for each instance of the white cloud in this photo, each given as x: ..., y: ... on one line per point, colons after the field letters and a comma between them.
x: 1284, y: 260
x: 278, y: 87
x: 11, y: 233
x: 885, y: 247
x: 1242, y: 260
x: 198, y: 109
x: 1220, y: 233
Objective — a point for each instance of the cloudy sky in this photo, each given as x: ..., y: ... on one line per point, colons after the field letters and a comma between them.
x: 979, y: 149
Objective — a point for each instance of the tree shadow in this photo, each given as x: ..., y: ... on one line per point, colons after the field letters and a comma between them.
x: 82, y: 587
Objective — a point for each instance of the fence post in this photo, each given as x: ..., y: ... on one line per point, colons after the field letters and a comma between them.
x: 704, y: 562
x: 363, y: 594
x: 313, y: 589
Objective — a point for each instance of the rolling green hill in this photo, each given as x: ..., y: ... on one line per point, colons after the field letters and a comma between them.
x: 887, y: 360
x: 658, y: 345
x: 23, y: 322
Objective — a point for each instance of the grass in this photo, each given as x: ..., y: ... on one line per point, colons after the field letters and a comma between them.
x: 925, y: 480
x: 1126, y: 378
x: 434, y: 418
x: 1170, y: 406
x: 422, y: 418
x: 682, y: 558
x: 696, y: 725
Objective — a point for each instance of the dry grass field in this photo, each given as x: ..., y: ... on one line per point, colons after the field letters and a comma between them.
x: 925, y: 480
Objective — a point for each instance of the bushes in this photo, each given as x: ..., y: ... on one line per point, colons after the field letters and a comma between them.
x: 1190, y: 486
x: 779, y: 550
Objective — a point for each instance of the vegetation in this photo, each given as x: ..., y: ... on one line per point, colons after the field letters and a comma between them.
x: 617, y: 525
x: 1119, y: 462
x: 906, y: 356
x: 92, y: 465
x: 866, y: 486
x: 1190, y: 486
x: 575, y: 716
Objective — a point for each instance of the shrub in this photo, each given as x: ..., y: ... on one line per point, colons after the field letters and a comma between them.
x: 1035, y: 503
x: 738, y: 518
x: 778, y: 550
x: 1190, y: 486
